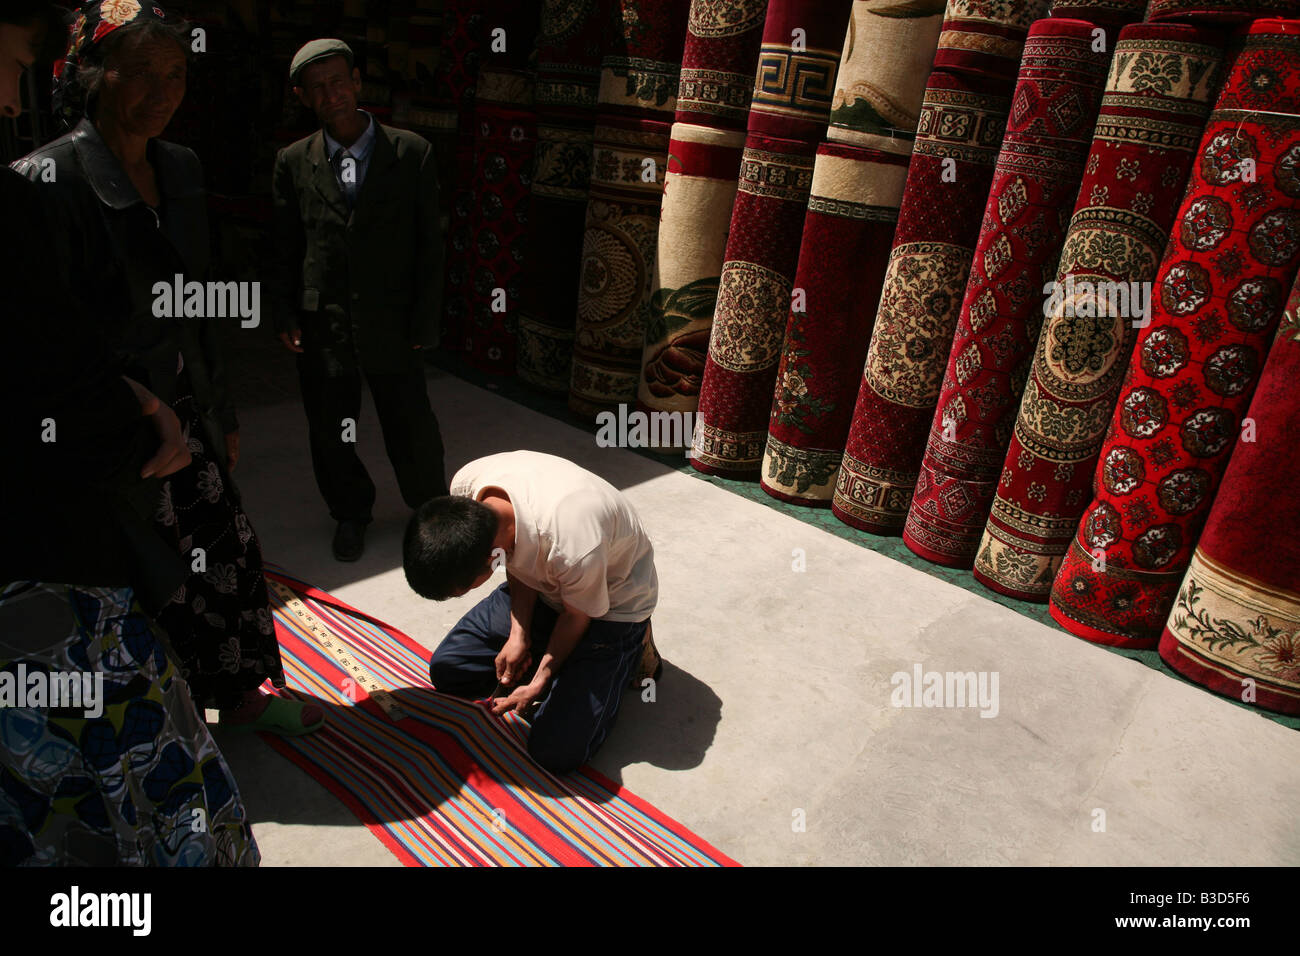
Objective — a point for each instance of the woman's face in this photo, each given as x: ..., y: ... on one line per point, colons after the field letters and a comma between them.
x: 18, y: 45
x: 144, y: 83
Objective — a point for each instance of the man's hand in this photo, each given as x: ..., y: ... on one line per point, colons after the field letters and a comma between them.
x: 520, y: 699
x: 232, y: 449
x: 292, y: 340
x: 173, y: 453
x: 513, y: 660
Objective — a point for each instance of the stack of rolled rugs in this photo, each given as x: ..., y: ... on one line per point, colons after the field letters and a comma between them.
x: 1142, y: 153
x: 1219, y: 295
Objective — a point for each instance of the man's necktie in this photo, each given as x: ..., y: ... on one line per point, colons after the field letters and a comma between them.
x: 346, y: 172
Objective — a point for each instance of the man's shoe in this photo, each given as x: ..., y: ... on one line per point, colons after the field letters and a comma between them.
x: 349, y: 540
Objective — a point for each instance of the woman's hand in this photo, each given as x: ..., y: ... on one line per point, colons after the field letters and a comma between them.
x: 232, y: 449
x: 173, y: 453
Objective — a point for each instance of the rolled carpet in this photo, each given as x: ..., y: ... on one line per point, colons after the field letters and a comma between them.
x: 1220, y: 11
x: 699, y: 193
x: 569, y: 47
x: 1222, y: 288
x: 464, y: 36
x: 888, y: 51
x: 986, y: 37
x: 1141, y: 157
x: 793, y: 87
x: 618, y: 258
x: 637, y: 99
x: 498, y: 242
x: 718, y: 62
x: 505, y: 131
x: 754, y: 291
x: 847, y: 233
x: 1110, y: 15
x: 1235, y: 624
x: 717, y: 82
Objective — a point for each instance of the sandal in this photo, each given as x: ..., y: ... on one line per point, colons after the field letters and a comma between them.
x: 280, y: 716
x: 652, y: 665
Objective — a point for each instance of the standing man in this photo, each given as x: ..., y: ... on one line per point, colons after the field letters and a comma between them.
x: 570, y: 626
x: 359, y: 256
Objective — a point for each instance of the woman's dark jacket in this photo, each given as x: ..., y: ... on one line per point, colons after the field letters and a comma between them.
x: 75, y: 508
x: 117, y: 248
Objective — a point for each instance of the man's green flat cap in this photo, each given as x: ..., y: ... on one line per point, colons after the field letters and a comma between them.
x: 317, y: 50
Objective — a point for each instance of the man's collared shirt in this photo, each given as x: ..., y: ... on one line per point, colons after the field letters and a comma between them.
x: 360, y: 151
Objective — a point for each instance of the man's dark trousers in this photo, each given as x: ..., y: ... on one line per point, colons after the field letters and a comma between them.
x: 331, y: 393
x: 576, y: 715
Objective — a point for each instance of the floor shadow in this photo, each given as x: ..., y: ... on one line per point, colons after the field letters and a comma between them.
x: 672, y: 731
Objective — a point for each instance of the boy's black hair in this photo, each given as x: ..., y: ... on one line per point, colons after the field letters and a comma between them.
x: 39, y: 13
x: 448, y: 543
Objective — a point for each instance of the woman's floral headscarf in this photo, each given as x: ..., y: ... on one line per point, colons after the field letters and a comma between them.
x: 93, y: 22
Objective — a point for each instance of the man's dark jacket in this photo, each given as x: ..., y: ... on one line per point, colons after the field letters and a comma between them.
x: 364, y: 286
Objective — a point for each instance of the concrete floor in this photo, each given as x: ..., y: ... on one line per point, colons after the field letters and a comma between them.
x: 775, y: 705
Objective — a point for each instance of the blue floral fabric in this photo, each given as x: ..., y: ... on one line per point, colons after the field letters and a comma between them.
x: 143, y: 783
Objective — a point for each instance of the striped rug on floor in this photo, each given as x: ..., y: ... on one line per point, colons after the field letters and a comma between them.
x: 449, y: 784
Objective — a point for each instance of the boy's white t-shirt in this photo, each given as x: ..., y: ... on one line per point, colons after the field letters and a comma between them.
x: 578, y: 541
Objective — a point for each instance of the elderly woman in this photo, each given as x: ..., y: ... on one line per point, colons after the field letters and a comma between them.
x: 132, y: 213
x: 134, y: 777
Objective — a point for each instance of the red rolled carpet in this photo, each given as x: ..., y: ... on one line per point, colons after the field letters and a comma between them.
x: 708, y: 138
x: 986, y: 37
x: 847, y: 233
x: 721, y: 54
x: 1235, y: 625
x: 498, y: 242
x: 569, y: 48
x: 1222, y: 287
x: 1035, y: 182
x: 1220, y: 11
x: 1110, y: 15
x: 793, y: 88
x: 464, y: 36
x: 637, y: 99
x: 1141, y: 156
x: 505, y: 130
x: 857, y: 187
x: 963, y: 118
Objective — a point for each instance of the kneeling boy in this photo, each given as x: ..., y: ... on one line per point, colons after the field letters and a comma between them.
x: 568, y: 628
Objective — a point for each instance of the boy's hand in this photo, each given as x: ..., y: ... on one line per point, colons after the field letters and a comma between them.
x: 513, y: 660
x: 520, y: 699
